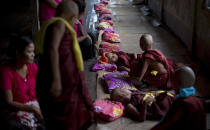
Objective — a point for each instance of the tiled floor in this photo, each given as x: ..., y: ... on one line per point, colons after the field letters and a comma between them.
x: 131, y: 24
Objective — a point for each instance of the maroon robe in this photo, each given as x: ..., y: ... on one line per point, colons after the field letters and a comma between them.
x: 193, y: 115
x: 158, y: 108
x: 135, y: 66
x: 163, y: 81
x: 124, y: 59
x: 72, y: 110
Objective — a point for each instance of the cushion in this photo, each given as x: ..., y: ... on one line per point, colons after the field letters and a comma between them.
x: 106, y: 67
x: 117, y: 79
x: 108, y: 110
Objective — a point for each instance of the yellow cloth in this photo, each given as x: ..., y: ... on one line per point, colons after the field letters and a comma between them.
x: 161, y: 91
x: 148, y: 95
x: 154, y: 72
x: 40, y: 38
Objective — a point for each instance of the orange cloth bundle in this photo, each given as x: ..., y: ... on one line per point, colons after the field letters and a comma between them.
x: 103, y: 59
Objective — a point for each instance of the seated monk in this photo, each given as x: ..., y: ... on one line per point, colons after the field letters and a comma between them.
x: 187, y: 111
x: 121, y: 59
x: 154, y: 68
x: 61, y: 88
x: 142, y: 105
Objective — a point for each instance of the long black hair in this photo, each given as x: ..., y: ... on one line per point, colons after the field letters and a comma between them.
x: 17, y: 44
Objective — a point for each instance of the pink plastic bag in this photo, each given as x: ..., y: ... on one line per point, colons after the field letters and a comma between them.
x: 111, y: 37
x: 109, y: 30
x: 108, y: 110
x: 116, y: 79
x: 106, y: 29
x: 105, y: 11
x: 108, y: 47
x: 108, y: 21
x: 106, y: 67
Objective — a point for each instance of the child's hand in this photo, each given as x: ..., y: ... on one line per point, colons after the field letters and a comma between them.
x: 56, y: 89
x: 37, y: 113
x: 149, y: 99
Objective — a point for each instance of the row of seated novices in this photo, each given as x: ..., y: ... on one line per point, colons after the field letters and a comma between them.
x: 144, y: 86
x: 54, y: 95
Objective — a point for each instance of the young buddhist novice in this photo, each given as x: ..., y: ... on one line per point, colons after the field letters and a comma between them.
x: 61, y: 88
x: 121, y: 59
x: 125, y: 96
x: 155, y: 68
x: 140, y: 105
x: 187, y: 112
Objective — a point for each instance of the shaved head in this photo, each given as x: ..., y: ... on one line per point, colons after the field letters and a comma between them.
x: 67, y: 9
x: 121, y: 95
x: 185, y: 76
x: 146, y: 42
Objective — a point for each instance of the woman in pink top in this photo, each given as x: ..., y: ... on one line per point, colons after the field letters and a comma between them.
x: 47, y: 9
x: 17, y: 85
x: 86, y: 41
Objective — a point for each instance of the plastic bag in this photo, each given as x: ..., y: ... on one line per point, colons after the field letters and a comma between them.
x: 111, y: 37
x: 105, y: 16
x: 106, y: 67
x: 108, y: 47
x: 117, y: 79
x: 108, y: 110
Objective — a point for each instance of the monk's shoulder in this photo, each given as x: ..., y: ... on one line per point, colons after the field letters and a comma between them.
x: 59, y: 26
x: 192, y: 102
x: 190, y: 99
x: 56, y: 27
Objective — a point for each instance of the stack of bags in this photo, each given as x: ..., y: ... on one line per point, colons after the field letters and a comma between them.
x: 110, y: 38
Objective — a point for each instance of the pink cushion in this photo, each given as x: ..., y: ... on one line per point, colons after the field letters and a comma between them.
x: 106, y: 67
x: 111, y: 37
x: 108, y: 110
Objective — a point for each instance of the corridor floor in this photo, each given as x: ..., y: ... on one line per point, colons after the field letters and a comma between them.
x: 131, y: 24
